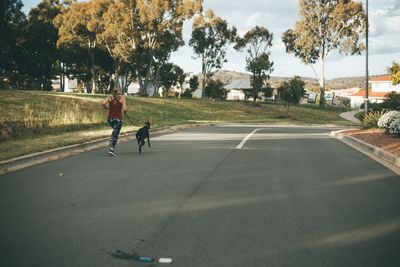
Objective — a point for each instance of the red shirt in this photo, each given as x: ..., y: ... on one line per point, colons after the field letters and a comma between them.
x: 115, y: 111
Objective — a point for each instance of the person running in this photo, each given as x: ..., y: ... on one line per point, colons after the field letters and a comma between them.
x: 116, y: 105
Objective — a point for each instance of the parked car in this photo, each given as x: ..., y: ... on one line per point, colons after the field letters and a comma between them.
x: 329, y: 98
x: 312, y: 97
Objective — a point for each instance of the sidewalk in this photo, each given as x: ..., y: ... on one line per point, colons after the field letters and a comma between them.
x: 349, y: 115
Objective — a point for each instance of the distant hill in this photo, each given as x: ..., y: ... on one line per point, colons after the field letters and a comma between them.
x: 226, y: 76
x: 334, y: 84
x: 348, y: 82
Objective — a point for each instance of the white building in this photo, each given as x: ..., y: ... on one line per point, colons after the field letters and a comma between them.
x: 69, y: 84
x: 134, y: 88
x: 380, y: 88
x: 236, y: 89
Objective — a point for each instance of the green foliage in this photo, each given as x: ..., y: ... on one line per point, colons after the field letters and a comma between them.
x: 292, y: 91
x: 210, y: 38
x: 322, y: 27
x: 194, y: 83
x: 170, y: 75
x: 187, y: 94
x: 12, y: 25
x: 257, y: 42
x: 371, y: 119
x: 392, y: 102
x: 268, y: 91
x: 394, y: 71
x: 40, y: 45
x: 215, y: 90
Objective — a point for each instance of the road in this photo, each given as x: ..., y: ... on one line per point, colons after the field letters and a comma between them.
x: 286, y: 196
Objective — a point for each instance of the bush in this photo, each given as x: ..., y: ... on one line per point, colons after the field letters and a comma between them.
x: 387, y: 118
x: 215, y: 90
x: 370, y: 120
x: 187, y: 94
x: 373, y: 106
x: 392, y: 102
x: 394, y: 127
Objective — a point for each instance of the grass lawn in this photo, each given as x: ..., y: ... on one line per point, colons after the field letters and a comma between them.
x: 33, y: 121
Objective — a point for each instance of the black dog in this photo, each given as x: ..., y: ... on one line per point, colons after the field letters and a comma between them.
x: 143, y: 133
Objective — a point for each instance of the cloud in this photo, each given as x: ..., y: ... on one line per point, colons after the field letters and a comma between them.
x: 253, y: 20
x: 278, y: 16
x: 385, y: 45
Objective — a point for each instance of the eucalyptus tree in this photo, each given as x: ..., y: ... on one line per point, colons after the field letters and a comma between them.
x: 78, y: 25
x: 258, y: 43
x: 152, y: 27
x: 210, y: 39
x: 323, y: 26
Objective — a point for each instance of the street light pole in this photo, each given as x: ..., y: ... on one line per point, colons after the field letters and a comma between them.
x: 366, y: 63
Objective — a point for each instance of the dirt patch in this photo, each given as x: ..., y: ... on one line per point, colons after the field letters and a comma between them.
x: 377, y: 138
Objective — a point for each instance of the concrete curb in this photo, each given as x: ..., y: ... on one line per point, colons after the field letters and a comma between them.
x: 381, y: 153
x: 18, y: 163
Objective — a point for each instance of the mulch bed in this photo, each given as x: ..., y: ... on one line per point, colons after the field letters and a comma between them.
x: 377, y: 138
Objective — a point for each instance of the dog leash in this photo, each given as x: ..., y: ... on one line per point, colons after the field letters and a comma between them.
x: 126, y: 115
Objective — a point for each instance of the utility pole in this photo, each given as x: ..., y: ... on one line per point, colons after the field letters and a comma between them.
x: 366, y: 63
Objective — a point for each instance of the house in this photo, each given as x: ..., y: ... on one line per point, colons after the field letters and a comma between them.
x: 236, y: 89
x: 380, y: 87
x: 70, y: 84
x: 134, y: 88
x: 239, y: 89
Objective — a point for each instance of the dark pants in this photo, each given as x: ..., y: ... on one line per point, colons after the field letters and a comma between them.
x: 116, y: 124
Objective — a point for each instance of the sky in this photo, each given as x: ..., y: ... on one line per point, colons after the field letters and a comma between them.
x: 277, y: 17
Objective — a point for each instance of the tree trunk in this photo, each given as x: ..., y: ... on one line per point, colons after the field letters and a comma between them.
x: 93, y: 72
x: 254, y: 87
x: 203, y: 75
x: 146, y: 80
x: 62, y: 78
x: 110, y: 83
x: 322, y: 82
x: 140, y: 81
x: 156, y: 84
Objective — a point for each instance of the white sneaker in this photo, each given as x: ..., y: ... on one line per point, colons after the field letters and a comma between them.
x: 111, y: 152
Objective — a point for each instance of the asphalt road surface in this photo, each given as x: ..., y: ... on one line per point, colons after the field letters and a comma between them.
x: 209, y: 196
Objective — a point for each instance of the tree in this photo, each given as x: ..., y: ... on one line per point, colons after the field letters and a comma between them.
x: 39, y: 46
x: 215, y: 90
x: 257, y: 42
x: 153, y: 27
x: 268, y: 90
x: 170, y: 75
x: 292, y: 91
x: 78, y: 25
x: 210, y: 38
x: 325, y: 25
x: 194, y: 83
x: 394, y: 72
x: 12, y: 23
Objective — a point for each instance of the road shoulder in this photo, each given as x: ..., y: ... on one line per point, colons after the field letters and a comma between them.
x: 384, y: 157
